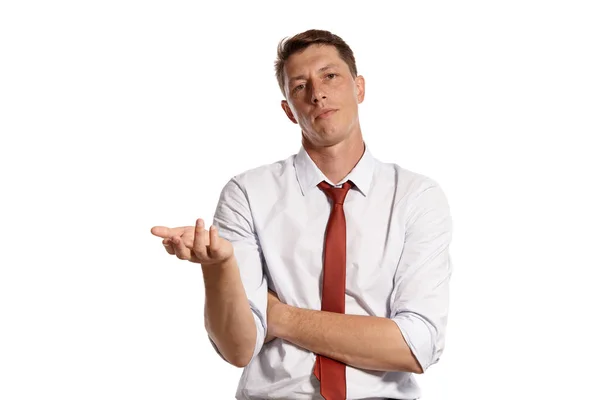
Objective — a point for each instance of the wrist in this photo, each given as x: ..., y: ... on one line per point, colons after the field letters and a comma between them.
x: 219, y: 273
x: 221, y: 265
x: 281, y: 314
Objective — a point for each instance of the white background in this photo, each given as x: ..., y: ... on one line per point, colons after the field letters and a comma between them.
x: 117, y: 116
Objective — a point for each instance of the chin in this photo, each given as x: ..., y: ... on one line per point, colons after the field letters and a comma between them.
x: 325, y: 136
x: 331, y: 140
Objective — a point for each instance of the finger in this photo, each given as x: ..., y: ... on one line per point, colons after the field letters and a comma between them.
x: 164, y: 232
x: 214, y: 240
x: 199, y: 246
x: 169, y: 246
x: 188, y: 237
x: 182, y: 252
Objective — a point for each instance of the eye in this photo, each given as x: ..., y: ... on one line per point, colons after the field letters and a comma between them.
x: 299, y: 87
x: 331, y: 76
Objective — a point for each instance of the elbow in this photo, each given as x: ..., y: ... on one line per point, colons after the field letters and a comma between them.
x: 422, y: 345
x: 239, y: 356
x: 240, y: 362
x: 235, y: 353
x: 417, y: 369
x: 409, y: 363
x: 421, y: 364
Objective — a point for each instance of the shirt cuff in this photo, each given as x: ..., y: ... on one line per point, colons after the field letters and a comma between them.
x: 418, y: 336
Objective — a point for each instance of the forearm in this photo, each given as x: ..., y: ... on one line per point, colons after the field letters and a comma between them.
x: 365, y: 342
x: 227, y: 315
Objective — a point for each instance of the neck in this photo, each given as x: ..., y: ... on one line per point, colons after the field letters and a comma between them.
x: 338, y: 160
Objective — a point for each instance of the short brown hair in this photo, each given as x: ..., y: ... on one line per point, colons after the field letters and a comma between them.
x: 301, y: 41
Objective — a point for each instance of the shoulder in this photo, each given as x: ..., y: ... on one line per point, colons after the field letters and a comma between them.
x: 407, y: 182
x: 261, y: 176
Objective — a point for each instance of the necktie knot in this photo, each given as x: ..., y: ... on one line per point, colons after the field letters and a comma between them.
x: 337, y: 195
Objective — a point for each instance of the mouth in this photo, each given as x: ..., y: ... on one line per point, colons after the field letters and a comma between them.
x: 326, y: 113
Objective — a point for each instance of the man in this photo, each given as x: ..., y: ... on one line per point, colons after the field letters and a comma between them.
x: 326, y: 273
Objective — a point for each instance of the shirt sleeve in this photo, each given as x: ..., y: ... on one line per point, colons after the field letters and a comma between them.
x: 419, y: 302
x: 234, y: 222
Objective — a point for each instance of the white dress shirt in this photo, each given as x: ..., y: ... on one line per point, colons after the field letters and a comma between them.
x: 397, y: 266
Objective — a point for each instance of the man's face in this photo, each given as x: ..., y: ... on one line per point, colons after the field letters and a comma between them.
x: 322, y: 97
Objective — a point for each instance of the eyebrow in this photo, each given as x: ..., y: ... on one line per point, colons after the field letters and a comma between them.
x: 328, y: 66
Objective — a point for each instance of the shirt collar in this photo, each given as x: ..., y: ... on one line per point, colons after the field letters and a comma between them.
x: 309, y: 175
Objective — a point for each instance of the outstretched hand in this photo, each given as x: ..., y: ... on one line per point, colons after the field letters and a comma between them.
x: 194, y: 243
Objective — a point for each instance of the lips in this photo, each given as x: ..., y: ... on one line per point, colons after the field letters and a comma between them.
x: 326, y: 113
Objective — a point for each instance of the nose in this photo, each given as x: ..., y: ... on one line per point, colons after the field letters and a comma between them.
x: 317, y: 94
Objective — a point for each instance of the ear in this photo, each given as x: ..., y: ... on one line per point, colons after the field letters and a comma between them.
x: 360, y: 88
x: 288, y: 111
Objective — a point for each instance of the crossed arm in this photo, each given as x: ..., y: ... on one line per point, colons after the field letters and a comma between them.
x: 365, y: 342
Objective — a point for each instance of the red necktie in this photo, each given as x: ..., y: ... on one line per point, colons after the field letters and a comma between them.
x: 332, y: 373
